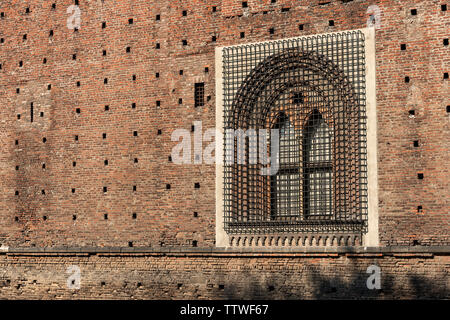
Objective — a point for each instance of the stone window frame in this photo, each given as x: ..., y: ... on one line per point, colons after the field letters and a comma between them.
x: 371, y: 237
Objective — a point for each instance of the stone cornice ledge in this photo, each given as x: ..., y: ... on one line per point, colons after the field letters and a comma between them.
x: 404, y: 251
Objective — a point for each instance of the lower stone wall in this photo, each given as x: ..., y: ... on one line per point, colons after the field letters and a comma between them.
x: 221, y: 275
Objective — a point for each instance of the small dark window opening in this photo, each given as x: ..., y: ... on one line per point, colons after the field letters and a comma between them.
x: 242, y: 35
x: 167, y: 186
x: 416, y: 143
x: 244, y: 4
x: 445, y: 42
x: 407, y: 79
x: 413, y: 12
x: 158, y: 17
x: 184, y: 42
x: 130, y: 21
x: 213, y: 38
x: 184, y: 13
x: 103, y: 25
x: 31, y: 112
x: 197, y: 185
x: 199, y: 94
x: 134, y: 216
x: 298, y: 98
x: 214, y: 9
x: 331, y: 23
x: 128, y: 49
x: 420, y: 176
x: 106, y: 108
x: 403, y: 46
x: 443, y: 7
x: 50, y: 34
x: 133, y: 105
x: 272, y: 30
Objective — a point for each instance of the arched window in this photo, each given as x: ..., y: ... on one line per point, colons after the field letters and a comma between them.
x: 317, y: 168
x: 317, y: 103
x: 285, y: 185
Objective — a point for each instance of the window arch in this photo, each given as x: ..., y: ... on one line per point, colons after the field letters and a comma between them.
x: 320, y: 186
x: 285, y: 184
x: 317, y: 168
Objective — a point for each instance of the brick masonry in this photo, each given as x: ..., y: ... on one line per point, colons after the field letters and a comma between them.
x: 60, y: 198
x: 224, y: 275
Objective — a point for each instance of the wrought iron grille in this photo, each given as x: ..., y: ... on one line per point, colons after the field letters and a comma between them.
x: 199, y: 94
x: 312, y: 89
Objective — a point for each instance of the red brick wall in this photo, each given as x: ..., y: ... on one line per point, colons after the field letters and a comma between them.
x: 165, y: 217
x: 223, y: 276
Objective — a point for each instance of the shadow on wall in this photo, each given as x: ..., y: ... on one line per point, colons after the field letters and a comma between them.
x: 341, y: 286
